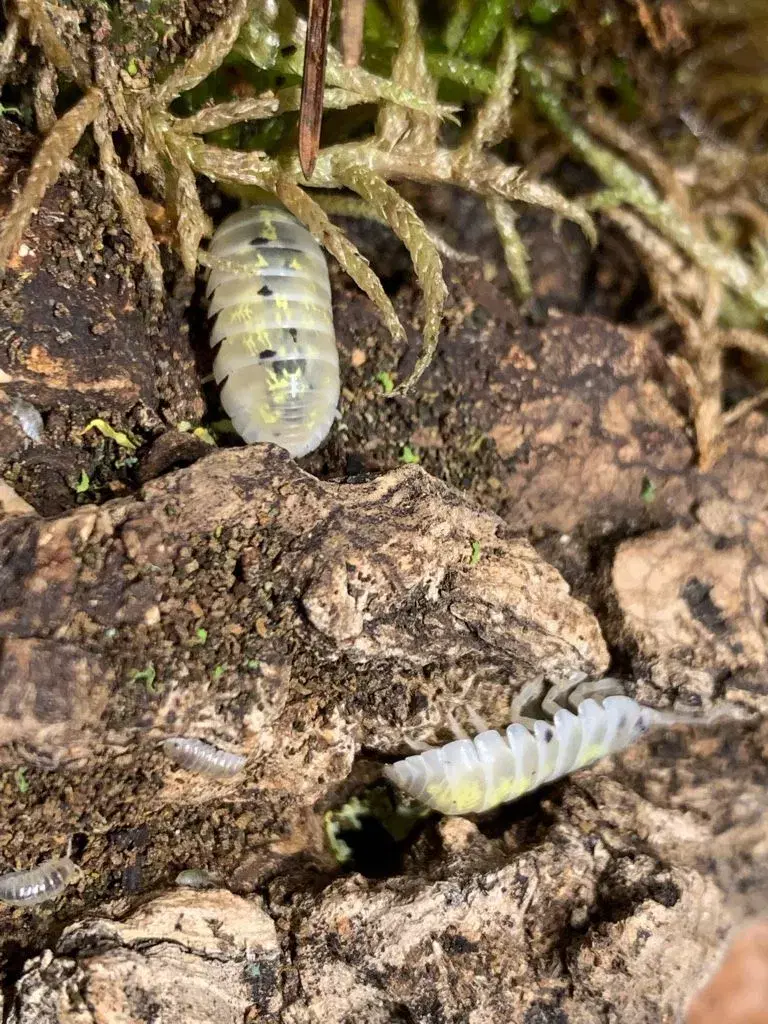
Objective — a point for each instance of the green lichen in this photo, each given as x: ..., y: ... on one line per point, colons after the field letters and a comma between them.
x: 385, y: 379
x: 148, y: 676
x: 20, y: 778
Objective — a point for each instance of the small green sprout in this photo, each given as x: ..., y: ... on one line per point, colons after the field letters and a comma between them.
x: 132, y: 67
x: 648, y: 491
x: 20, y: 778
x: 252, y: 663
x: 218, y: 672
x: 217, y: 532
x: 385, y: 379
x: 148, y: 676
x: 201, y: 634
x: 204, y: 435
x: 9, y: 110
x: 409, y: 456
x: 109, y: 431
x: 83, y: 483
x: 474, y: 558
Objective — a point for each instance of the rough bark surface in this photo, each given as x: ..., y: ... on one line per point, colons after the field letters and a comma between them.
x: 185, y: 958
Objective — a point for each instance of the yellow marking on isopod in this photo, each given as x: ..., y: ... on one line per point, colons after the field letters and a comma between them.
x: 267, y: 413
x: 296, y: 264
x: 282, y: 383
x: 281, y: 304
x: 240, y: 314
x: 267, y: 227
x: 592, y: 753
x: 461, y: 799
x: 506, y: 790
x: 259, y: 260
x: 250, y: 343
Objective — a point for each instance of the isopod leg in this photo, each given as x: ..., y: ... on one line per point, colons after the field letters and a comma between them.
x: 457, y: 730
x: 479, y: 724
x: 529, y: 693
x: 552, y: 702
x: 596, y: 689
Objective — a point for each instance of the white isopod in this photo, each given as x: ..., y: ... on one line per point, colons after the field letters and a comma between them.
x: 468, y: 776
x: 197, y: 756
x: 269, y: 293
x: 37, y: 885
x: 30, y: 420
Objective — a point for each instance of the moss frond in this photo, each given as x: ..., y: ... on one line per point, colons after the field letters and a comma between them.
x: 126, y: 195
x: 45, y: 169
x: 409, y: 72
x: 515, y: 253
x: 316, y: 220
x: 208, y: 56
x: 408, y: 227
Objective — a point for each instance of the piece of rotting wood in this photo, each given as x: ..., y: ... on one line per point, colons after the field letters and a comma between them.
x: 311, y: 109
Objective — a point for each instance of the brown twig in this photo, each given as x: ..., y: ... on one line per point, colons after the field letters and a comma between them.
x: 311, y: 110
x: 352, y: 22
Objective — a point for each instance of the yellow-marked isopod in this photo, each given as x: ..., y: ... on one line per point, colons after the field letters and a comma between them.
x: 270, y: 300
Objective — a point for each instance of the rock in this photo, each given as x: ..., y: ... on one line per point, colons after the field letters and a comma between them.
x: 11, y: 504
x: 52, y: 697
x: 183, y: 958
x: 693, y: 597
x: 684, y: 597
x: 738, y: 992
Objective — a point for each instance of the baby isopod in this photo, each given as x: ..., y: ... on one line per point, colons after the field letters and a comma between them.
x: 197, y: 756
x: 270, y: 299
x: 37, y: 885
x: 468, y: 776
x: 30, y: 420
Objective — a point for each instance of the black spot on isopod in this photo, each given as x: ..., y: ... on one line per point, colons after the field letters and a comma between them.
x: 548, y: 734
x: 268, y: 353
x: 294, y: 335
x: 265, y: 290
x: 259, y: 240
x: 287, y: 51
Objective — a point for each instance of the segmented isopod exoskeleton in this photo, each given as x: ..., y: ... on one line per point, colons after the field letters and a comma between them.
x: 37, y: 885
x: 197, y: 878
x: 197, y: 756
x: 270, y: 295
x: 30, y: 420
x: 468, y: 776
